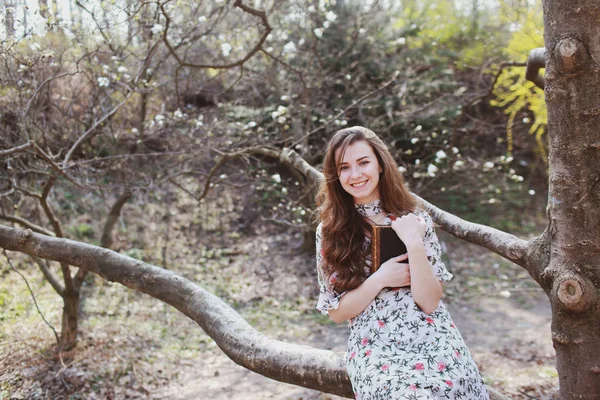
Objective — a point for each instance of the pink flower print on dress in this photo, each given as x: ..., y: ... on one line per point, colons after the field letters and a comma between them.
x: 385, y: 367
x: 368, y: 353
x: 413, y: 387
x: 419, y: 366
x: 352, y: 355
x: 449, y: 383
x: 429, y: 320
x: 381, y: 323
x: 441, y: 366
x: 365, y: 341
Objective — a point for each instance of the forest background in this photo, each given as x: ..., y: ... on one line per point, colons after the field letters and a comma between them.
x: 156, y: 129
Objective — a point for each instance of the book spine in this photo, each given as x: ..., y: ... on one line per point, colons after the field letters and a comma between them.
x: 375, y: 248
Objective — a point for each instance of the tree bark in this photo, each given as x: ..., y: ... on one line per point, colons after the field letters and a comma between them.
x: 572, y: 276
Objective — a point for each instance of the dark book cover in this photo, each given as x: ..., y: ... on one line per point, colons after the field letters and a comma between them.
x: 385, y: 244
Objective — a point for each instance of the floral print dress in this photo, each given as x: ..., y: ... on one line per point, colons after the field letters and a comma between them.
x: 395, y: 350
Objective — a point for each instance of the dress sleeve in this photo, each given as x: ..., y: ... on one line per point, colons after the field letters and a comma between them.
x: 433, y: 249
x: 329, y: 299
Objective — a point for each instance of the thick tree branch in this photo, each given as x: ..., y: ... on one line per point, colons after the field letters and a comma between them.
x: 536, y: 61
x: 308, y: 367
x: 506, y: 245
x: 299, y: 365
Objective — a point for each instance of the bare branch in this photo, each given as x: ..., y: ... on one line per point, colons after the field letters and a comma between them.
x: 238, y: 3
x: 23, y: 147
x: 32, y: 295
x: 27, y: 224
x: 536, y: 61
x: 92, y: 130
x: 363, y: 97
x: 50, y: 277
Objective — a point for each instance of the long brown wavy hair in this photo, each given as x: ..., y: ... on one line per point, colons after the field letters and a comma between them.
x: 343, y: 228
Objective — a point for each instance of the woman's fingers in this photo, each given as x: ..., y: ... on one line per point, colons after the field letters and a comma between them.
x: 401, y: 257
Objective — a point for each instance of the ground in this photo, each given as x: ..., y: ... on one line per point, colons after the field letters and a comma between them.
x: 133, y: 346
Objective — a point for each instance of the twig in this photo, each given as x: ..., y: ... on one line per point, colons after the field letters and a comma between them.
x: 32, y: 296
x: 238, y: 3
x: 363, y: 97
x: 4, y: 153
x: 91, y: 131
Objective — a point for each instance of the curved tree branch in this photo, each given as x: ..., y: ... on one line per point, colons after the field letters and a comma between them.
x: 506, y: 245
x: 536, y: 61
x: 305, y: 366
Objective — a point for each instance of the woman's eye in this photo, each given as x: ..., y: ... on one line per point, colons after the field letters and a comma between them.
x: 364, y: 163
x: 345, y: 167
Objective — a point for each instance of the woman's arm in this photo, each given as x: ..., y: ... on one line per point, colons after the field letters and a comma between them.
x: 425, y: 286
x: 392, y: 273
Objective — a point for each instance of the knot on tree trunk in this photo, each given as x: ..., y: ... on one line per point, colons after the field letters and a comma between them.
x: 575, y: 293
x: 24, y: 236
x: 571, y: 55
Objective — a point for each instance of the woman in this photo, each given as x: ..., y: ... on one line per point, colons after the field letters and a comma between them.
x: 403, y: 343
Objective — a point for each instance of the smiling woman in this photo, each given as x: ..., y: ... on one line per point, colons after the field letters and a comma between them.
x: 403, y: 344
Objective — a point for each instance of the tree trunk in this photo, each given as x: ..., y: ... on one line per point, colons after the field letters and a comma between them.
x: 9, y: 18
x: 572, y: 276
x: 68, y: 334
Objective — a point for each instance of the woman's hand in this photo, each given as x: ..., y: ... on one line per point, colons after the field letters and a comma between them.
x: 409, y: 228
x: 394, y: 273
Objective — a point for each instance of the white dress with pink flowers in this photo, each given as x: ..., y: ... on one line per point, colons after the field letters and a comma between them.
x: 395, y: 350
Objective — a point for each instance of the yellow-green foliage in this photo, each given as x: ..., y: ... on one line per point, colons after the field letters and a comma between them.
x: 512, y: 91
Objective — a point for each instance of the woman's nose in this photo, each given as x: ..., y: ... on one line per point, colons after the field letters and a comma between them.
x: 356, y: 172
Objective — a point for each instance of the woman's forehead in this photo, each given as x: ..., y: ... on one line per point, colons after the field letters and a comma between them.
x: 355, y: 151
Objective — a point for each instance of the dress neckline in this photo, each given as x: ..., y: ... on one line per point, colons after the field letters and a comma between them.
x: 369, y: 209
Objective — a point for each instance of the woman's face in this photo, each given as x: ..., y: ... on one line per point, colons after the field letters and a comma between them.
x: 359, y: 172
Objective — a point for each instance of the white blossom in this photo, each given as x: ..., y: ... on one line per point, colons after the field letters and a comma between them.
x: 35, y: 46
x: 202, y: 19
x: 122, y: 69
x: 401, y: 169
x: 223, y: 176
x: 285, y: 98
x: 290, y: 47
x: 283, y: 191
x: 488, y: 165
x: 178, y: 114
x: 251, y: 124
x: 414, y: 140
x: 505, y: 294
x: 226, y: 49
x: 431, y: 170
x: 455, y: 150
x: 531, y: 192
x: 311, y: 9
x: 318, y: 32
x: 348, y: 77
x: 440, y: 155
x: 326, y: 24
x: 276, y: 178
x: 459, y: 163
x: 330, y: 16
x: 281, y: 120
x: 157, y: 28
x: 103, y: 81
x: 401, y: 41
